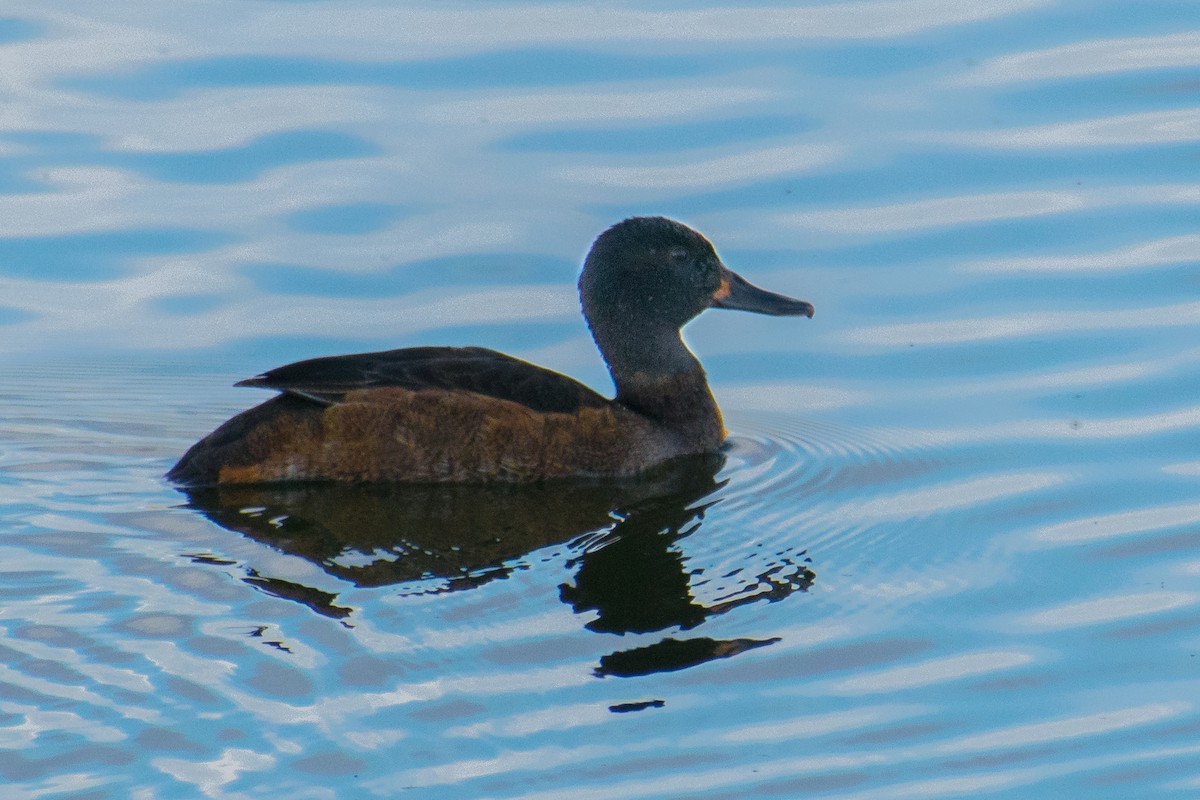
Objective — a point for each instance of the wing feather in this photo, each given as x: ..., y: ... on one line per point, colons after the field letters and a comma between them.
x: 468, y: 369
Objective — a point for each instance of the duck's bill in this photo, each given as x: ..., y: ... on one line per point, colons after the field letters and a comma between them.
x: 739, y: 294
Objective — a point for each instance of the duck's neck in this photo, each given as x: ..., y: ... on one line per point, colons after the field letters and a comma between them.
x: 658, y: 377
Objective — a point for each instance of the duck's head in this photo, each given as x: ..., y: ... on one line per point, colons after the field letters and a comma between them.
x: 650, y: 274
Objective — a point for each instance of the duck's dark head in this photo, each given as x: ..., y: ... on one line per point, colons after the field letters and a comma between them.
x: 643, y: 280
x: 646, y: 277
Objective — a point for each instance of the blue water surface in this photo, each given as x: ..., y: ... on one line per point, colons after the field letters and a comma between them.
x: 951, y: 549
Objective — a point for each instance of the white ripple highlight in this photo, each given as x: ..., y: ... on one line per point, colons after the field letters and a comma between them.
x: 556, y: 718
x: 943, y: 212
x: 1125, y: 523
x: 961, y: 331
x: 938, y: 212
x: 68, y: 309
x: 943, y: 497
x: 788, y: 397
x: 1153, y: 127
x: 934, y: 671
x: 541, y: 759
x: 1146, y: 255
x: 210, y: 777
x: 1111, y: 609
x: 815, y: 725
x: 1098, y: 57
x: 1056, y: 429
x: 1067, y: 728
x: 561, y: 107
x: 734, y: 168
x: 384, y: 31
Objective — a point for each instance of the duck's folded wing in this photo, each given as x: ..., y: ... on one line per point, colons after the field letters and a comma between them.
x: 469, y: 369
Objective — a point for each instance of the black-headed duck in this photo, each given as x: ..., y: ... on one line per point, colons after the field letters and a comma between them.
x: 469, y: 414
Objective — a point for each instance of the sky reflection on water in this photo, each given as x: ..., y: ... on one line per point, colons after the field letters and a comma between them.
x: 951, y: 550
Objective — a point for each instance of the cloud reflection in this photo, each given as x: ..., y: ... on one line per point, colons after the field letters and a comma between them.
x: 1125, y: 523
x: 1091, y: 58
x: 934, y: 671
x: 1024, y: 325
x: 938, y: 212
x: 740, y: 167
x: 383, y: 31
x: 1112, y: 609
x: 1066, y: 728
x: 943, y: 497
x: 564, y: 106
x: 1157, y: 253
x: 946, y: 212
x: 1152, y: 127
x: 123, y: 312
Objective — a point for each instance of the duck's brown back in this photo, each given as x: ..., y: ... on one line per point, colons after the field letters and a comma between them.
x: 423, y: 435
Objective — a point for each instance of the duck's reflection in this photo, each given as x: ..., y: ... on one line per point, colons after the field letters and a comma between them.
x: 629, y: 575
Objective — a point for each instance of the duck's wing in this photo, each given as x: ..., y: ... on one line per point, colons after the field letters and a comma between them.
x: 468, y: 369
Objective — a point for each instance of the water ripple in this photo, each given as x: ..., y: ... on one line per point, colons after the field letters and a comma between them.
x: 1123, y: 523
x: 950, y: 550
x: 932, y: 672
x: 1097, y: 57
x: 1112, y: 608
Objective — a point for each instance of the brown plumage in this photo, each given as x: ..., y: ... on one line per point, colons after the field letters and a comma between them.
x: 435, y: 414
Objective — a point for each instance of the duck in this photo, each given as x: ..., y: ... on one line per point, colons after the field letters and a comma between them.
x: 475, y: 415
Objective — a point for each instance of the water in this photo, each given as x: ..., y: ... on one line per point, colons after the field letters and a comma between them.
x: 950, y: 550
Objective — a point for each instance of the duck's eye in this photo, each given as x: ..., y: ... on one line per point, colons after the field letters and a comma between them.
x: 679, y: 254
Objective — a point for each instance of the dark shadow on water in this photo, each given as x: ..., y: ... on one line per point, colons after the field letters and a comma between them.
x: 628, y: 573
x: 670, y: 655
